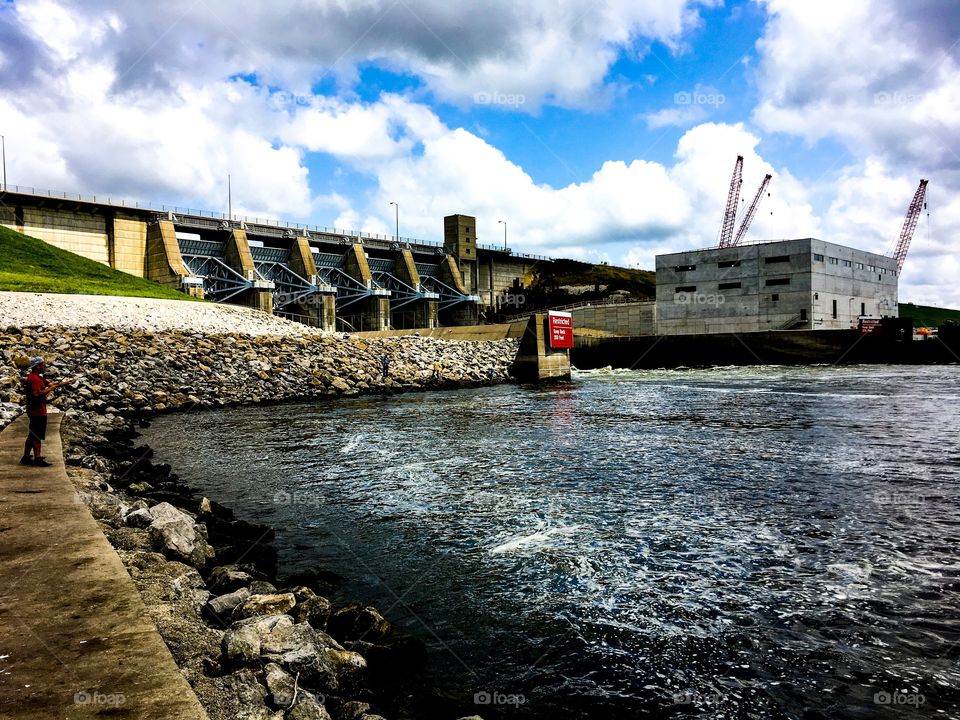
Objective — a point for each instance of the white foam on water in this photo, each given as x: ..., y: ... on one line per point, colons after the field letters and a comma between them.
x: 534, y: 542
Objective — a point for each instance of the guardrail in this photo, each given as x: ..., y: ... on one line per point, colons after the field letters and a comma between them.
x: 267, y: 222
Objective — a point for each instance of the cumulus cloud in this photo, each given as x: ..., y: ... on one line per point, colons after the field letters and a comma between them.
x: 884, y: 78
x: 164, y: 102
x: 543, y: 50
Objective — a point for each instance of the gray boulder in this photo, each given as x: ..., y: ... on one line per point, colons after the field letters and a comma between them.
x: 247, y: 639
x: 139, y: 519
x: 250, y: 697
x: 256, y: 605
x: 280, y: 686
x: 314, y: 610
x: 174, y: 533
x: 227, y: 578
x: 307, y: 708
x: 220, y: 608
x: 262, y: 587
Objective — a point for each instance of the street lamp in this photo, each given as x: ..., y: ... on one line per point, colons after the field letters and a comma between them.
x: 3, y: 143
x: 504, y: 222
x: 397, y: 209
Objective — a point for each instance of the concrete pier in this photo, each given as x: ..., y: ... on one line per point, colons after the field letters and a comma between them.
x: 536, y: 361
x: 260, y: 294
x: 372, y: 313
x: 75, y: 638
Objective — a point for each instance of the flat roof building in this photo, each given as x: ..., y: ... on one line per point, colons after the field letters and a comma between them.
x: 801, y: 284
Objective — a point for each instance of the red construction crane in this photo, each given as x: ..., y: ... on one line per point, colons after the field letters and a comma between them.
x: 910, y: 224
x: 733, y: 199
x: 751, y: 211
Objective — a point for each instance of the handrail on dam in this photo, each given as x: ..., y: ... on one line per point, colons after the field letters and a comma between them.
x: 267, y: 222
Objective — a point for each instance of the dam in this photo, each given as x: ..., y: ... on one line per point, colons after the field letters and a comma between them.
x: 328, y: 278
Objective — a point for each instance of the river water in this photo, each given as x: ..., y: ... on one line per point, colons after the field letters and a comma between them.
x: 762, y: 542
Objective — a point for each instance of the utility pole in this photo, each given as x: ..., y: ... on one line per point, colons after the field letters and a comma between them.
x: 229, y: 199
x: 3, y: 143
x: 397, y: 213
x: 504, y: 222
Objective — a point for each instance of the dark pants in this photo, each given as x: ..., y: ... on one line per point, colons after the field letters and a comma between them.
x: 38, y: 433
x: 38, y: 428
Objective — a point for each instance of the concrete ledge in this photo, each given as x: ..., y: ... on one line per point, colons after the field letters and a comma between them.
x: 75, y: 637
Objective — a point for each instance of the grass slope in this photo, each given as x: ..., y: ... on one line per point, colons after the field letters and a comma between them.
x: 31, y: 265
x: 926, y: 316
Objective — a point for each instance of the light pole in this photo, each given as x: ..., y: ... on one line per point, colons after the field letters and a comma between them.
x: 3, y: 143
x: 397, y: 214
x: 504, y: 222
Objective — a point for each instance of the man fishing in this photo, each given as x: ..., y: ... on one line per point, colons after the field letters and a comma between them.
x: 37, y: 389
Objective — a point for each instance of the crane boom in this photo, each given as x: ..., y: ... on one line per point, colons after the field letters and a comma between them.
x: 909, y: 225
x: 733, y: 198
x: 751, y: 211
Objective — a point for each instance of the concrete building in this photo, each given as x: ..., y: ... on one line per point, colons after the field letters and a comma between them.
x: 797, y: 284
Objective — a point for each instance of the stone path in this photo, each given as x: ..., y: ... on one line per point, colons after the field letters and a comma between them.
x: 75, y: 638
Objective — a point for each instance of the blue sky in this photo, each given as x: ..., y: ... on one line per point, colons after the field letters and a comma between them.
x: 598, y: 130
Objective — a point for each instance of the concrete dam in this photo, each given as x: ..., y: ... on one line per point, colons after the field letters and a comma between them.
x: 327, y: 278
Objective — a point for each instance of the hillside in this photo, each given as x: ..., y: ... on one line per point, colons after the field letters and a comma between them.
x: 927, y: 316
x: 31, y: 265
x: 563, y: 282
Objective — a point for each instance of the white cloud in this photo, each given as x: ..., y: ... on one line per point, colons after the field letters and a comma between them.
x: 178, y: 116
x: 544, y: 50
x: 884, y: 78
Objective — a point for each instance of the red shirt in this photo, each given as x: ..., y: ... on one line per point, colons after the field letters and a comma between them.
x: 36, y: 398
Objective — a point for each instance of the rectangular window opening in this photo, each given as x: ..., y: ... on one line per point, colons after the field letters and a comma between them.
x: 685, y: 268
x: 777, y: 259
x: 685, y: 288
x: 834, y: 309
x: 730, y: 286
x: 778, y: 281
x: 728, y: 264
x: 817, y: 257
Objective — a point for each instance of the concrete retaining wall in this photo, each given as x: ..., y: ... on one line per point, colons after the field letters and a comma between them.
x: 627, y: 319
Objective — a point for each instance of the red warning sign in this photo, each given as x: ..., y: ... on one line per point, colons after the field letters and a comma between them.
x: 560, y: 326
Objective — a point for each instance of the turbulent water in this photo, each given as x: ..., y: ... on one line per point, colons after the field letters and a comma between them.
x: 729, y: 543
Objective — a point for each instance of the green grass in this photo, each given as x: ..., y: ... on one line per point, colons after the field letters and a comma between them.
x: 31, y: 265
x: 926, y: 316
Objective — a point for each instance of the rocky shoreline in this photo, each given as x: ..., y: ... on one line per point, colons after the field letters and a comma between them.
x: 139, y: 373
x: 254, y: 645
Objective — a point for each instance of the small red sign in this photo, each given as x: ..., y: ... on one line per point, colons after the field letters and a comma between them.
x: 560, y: 326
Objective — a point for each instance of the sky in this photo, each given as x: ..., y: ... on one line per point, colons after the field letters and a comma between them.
x: 602, y: 131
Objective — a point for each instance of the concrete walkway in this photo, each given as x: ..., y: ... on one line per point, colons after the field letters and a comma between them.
x: 75, y: 638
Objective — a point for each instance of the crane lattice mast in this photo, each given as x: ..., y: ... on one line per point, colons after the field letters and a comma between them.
x: 909, y: 225
x: 733, y: 199
x: 751, y: 211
